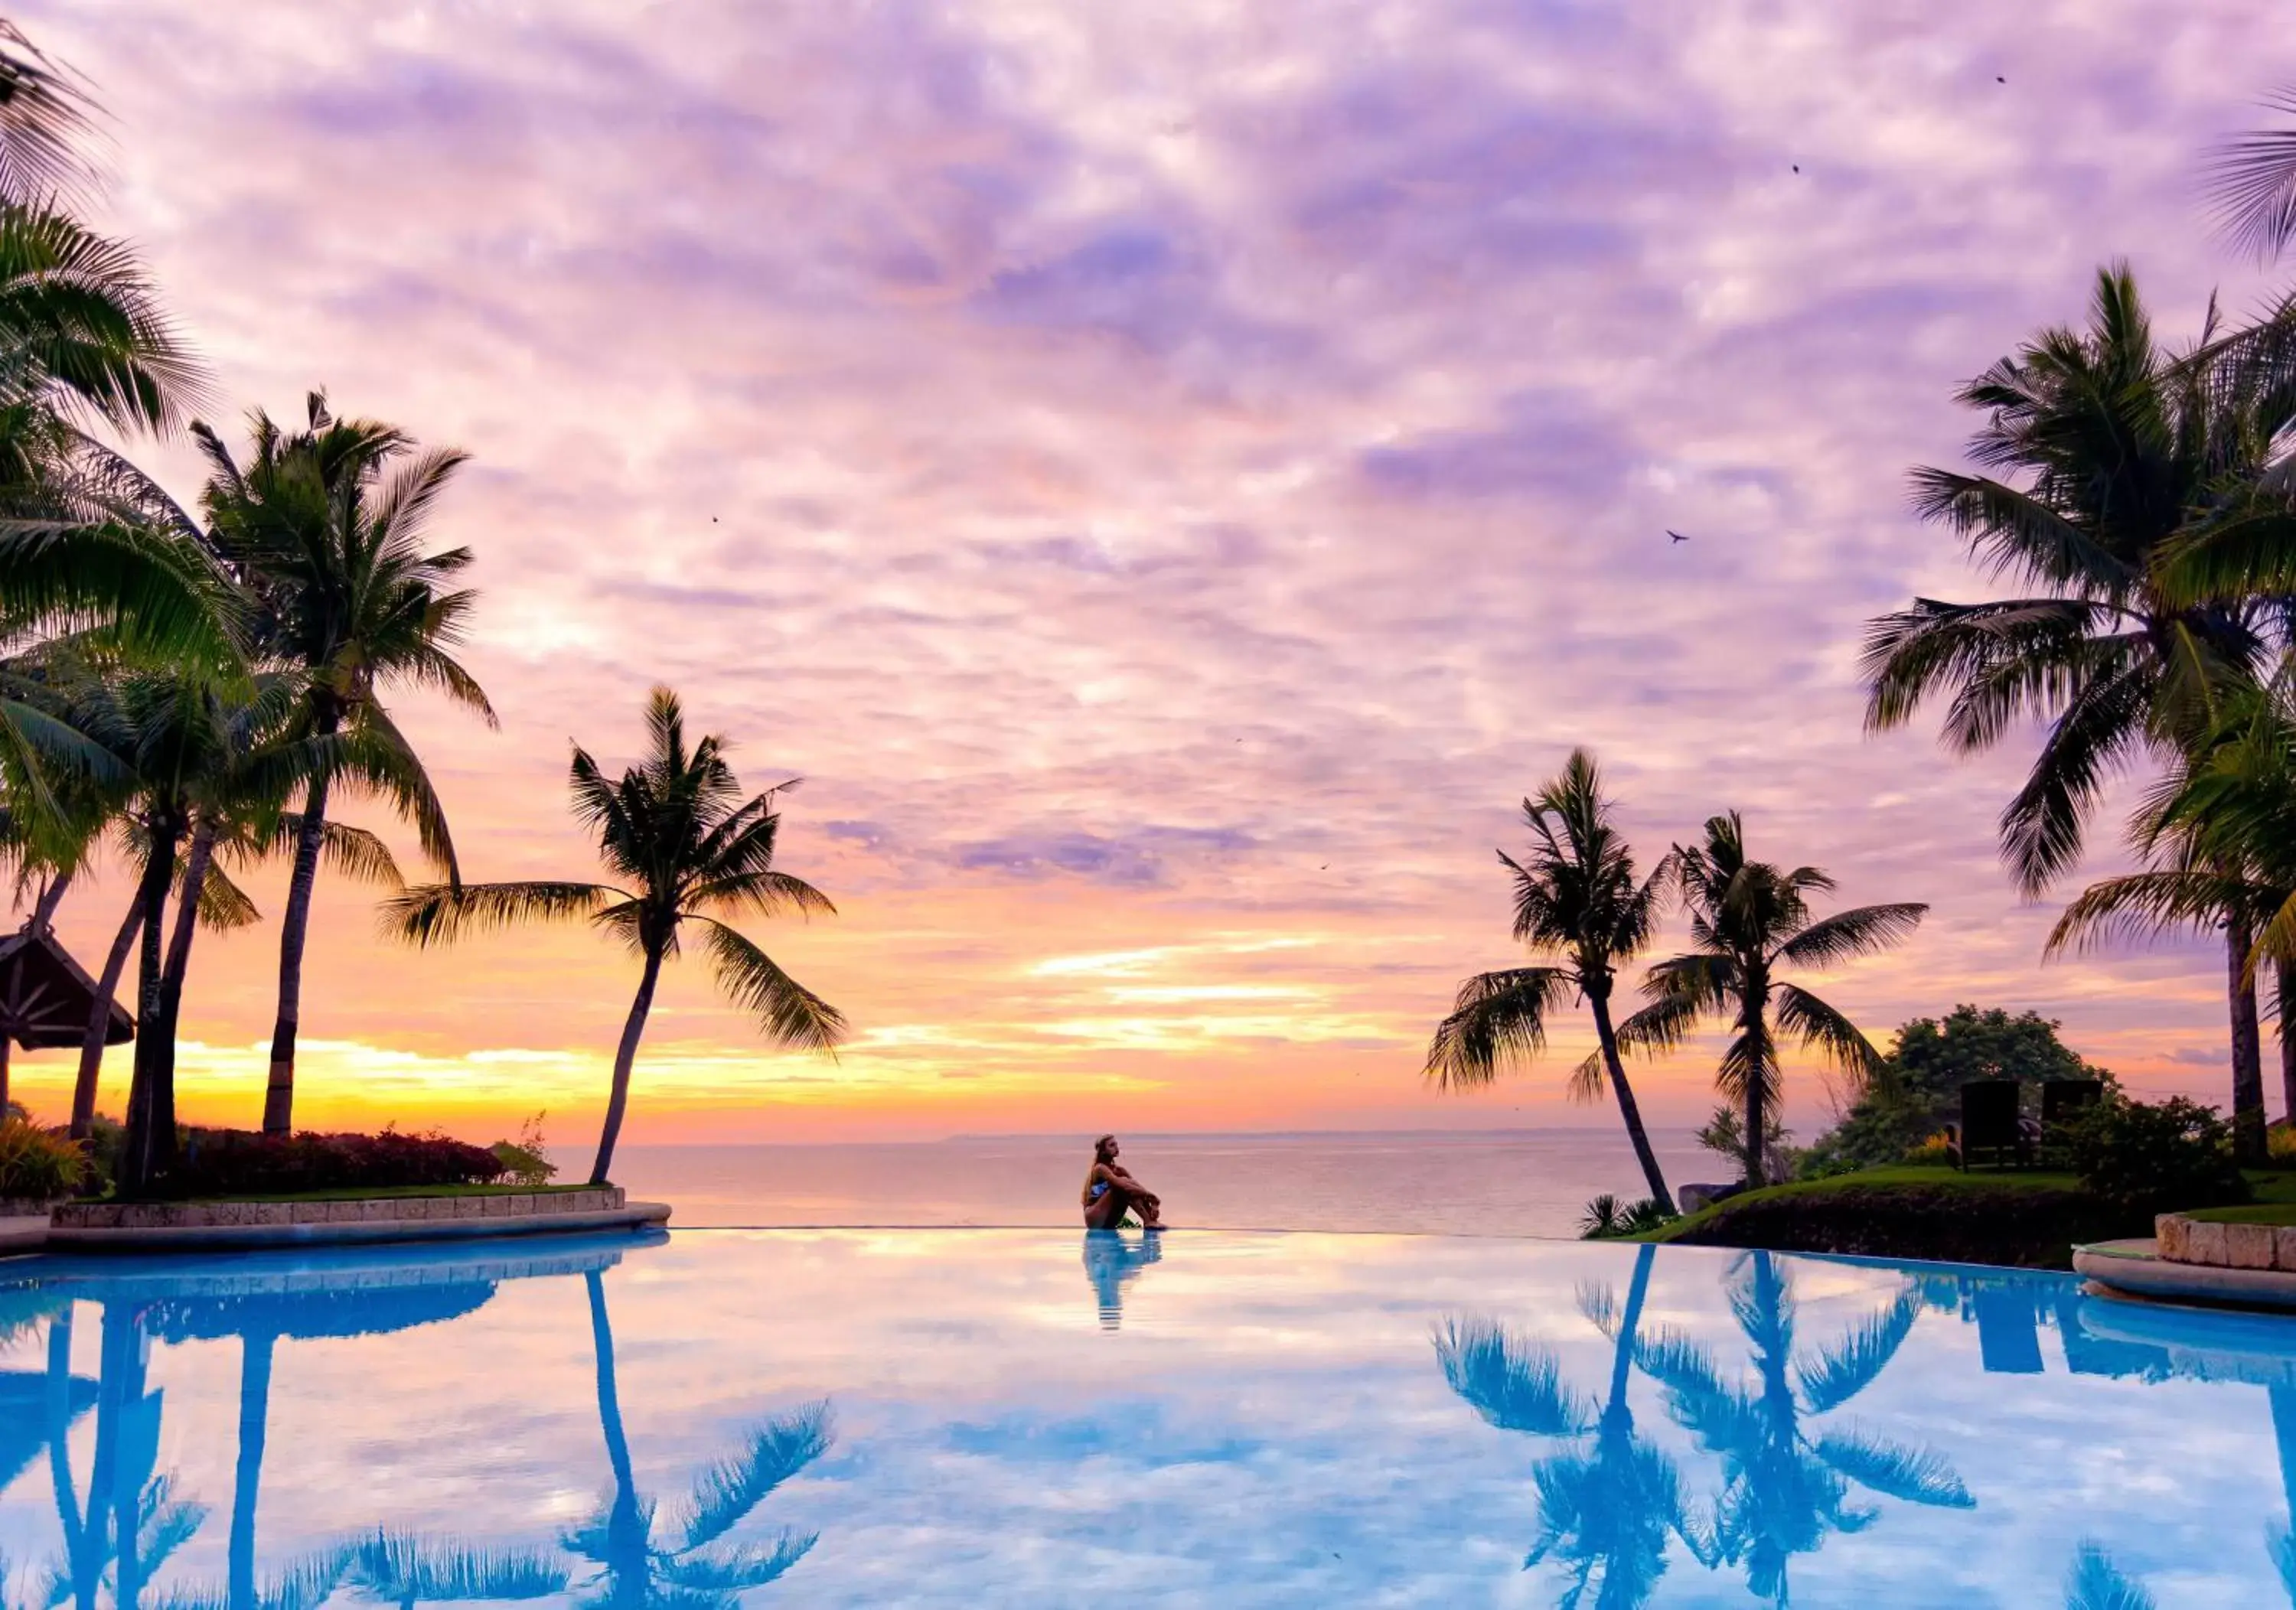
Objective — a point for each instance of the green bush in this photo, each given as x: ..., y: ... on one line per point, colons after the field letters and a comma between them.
x: 2156, y: 1156
x: 1606, y: 1217
x: 36, y: 1165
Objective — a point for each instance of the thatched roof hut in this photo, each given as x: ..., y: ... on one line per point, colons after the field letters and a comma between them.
x: 46, y: 998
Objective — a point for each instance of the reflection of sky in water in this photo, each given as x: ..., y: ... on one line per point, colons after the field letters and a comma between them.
x: 1031, y: 1418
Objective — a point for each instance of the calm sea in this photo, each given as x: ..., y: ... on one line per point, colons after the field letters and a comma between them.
x: 1522, y: 1182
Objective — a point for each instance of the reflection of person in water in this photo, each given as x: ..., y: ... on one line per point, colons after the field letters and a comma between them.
x: 1109, y: 1192
x: 1112, y: 1262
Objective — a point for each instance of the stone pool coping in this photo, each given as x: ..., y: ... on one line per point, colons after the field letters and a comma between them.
x: 213, y: 1226
x: 2134, y: 1268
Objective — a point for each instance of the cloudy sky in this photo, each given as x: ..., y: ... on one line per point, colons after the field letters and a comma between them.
x: 1169, y: 478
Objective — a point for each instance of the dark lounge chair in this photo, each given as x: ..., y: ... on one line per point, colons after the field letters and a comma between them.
x: 2065, y: 1099
x: 1991, y: 1126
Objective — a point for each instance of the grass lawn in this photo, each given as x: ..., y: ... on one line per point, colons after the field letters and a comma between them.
x: 2023, y: 1218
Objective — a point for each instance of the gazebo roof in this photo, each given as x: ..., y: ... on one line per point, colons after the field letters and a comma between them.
x: 46, y: 996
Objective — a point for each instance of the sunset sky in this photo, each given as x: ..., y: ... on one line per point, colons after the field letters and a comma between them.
x: 1169, y: 478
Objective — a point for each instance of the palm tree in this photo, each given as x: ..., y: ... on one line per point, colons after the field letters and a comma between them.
x: 44, y: 118
x: 2119, y: 457
x: 2252, y: 185
x: 2096, y: 1582
x: 1747, y: 919
x: 637, y: 1569
x: 325, y: 527
x: 1606, y: 1511
x: 1785, y: 1489
x: 1576, y: 899
x: 675, y: 827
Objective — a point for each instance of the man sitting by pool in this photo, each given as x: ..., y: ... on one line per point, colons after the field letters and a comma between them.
x: 1109, y: 1192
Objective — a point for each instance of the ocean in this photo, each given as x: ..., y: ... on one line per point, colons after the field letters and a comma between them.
x: 1519, y: 1182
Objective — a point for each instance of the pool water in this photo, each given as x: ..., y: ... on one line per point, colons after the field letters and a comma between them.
x: 985, y: 1418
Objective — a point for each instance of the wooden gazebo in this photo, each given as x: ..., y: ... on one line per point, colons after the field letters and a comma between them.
x: 46, y: 999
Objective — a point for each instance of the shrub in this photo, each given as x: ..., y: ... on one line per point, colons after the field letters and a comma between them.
x: 36, y: 1165
x: 524, y: 1160
x: 2156, y: 1156
x: 2280, y: 1143
x: 225, y: 1162
x: 1605, y: 1218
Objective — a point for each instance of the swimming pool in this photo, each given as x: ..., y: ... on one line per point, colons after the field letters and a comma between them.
x: 992, y: 1418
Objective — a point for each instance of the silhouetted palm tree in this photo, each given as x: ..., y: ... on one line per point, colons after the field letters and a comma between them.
x: 688, y: 1566
x: 2110, y: 457
x: 1576, y: 899
x: 1605, y: 1511
x: 1749, y: 918
x: 677, y: 828
x: 1783, y: 1490
x: 324, y: 527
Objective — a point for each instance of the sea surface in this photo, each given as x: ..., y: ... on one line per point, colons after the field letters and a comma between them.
x: 1521, y: 1183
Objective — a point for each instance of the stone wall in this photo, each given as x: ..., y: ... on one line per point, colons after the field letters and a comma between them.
x: 2215, y: 1246
x: 373, y: 1210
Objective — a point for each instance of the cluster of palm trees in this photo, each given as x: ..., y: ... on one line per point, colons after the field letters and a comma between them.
x: 193, y: 690
x: 1583, y: 907
x: 2143, y: 499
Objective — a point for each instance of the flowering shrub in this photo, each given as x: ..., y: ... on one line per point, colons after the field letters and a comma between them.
x: 241, y: 1162
x: 36, y: 1166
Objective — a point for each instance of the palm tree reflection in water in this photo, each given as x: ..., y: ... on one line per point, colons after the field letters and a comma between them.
x: 692, y: 1569
x: 1113, y: 1262
x: 1607, y: 1511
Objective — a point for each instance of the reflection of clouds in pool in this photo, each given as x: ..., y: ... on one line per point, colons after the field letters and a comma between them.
x: 1269, y: 1425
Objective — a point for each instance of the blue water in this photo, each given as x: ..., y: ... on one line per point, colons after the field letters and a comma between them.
x: 1034, y: 1418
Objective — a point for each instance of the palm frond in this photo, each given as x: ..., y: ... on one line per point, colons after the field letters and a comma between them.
x: 1829, y: 1031
x: 1852, y: 1365
x: 729, y: 1490
x: 1916, y: 1476
x: 1499, y: 1019
x: 426, y: 914
x: 1863, y: 930
x: 791, y: 1014
x: 1511, y: 1384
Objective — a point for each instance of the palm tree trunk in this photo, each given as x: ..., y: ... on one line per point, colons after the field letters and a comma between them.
x: 99, y: 1020
x: 5, y: 1044
x: 151, y: 1142
x: 52, y: 895
x: 255, y: 1347
x: 625, y: 1056
x: 196, y: 862
x: 1756, y: 1033
x: 2248, y: 1144
x: 626, y: 1522
x: 2284, y: 986
x: 294, y: 926
x: 1622, y: 1351
x: 1629, y: 1110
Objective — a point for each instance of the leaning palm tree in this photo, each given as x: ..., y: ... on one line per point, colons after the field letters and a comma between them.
x: 324, y: 527
x: 1577, y: 900
x: 2104, y: 456
x: 1749, y: 918
x: 688, y: 1566
x: 677, y: 828
x: 1784, y: 1488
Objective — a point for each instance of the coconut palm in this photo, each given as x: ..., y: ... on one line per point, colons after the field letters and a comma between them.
x: 325, y: 526
x: 2116, y: 461
x: 688, y: 1566
x: 677, y: 828
x: 1605, y: 1512
x: 2252, y: 184
x: 45, y: 117
x: 1577, y: 900
x: 1784, y: 1488
x: 1747, y: 919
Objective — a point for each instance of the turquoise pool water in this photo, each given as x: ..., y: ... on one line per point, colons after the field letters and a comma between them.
x: 991, y: 1418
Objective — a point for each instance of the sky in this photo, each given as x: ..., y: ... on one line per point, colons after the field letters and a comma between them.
x: 1171, y: 479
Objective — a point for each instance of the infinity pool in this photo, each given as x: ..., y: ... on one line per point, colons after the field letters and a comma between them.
x: 991, y: 1418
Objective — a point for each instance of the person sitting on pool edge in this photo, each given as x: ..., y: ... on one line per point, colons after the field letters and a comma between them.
x: 1109, y: 1192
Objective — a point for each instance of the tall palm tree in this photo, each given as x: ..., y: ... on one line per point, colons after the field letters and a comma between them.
x: 677, y: 828
x: 1576, y: 899
x: 325, y: 526
x: 1747, y: 919
x: 1606, y: 1512
x: 1784, y: 1489
x: 2112, y: 456
x: 691, y: 1568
